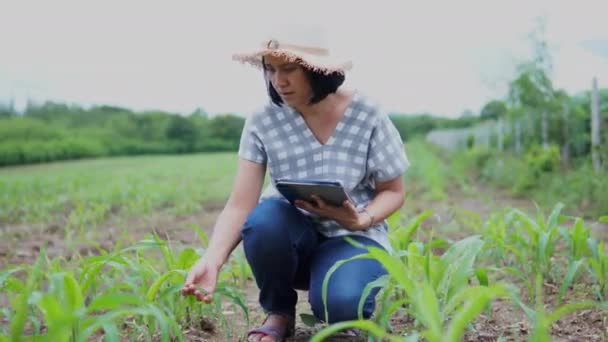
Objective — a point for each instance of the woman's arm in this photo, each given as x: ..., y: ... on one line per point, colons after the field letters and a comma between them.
x: 243, y: 198
x: 389, y: 197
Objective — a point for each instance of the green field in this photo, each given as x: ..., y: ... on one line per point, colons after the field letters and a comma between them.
x: 98, y: 249
x: 131, y: 185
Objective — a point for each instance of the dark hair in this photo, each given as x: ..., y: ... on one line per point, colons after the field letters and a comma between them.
x: 321, y: 84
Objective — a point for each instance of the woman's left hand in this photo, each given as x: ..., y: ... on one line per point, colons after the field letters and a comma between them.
x: 346, y: 215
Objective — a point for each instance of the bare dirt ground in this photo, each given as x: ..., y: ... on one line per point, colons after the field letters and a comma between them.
x: 22, y: 244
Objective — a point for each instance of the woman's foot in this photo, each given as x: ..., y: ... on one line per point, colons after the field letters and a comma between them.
x: 275, y: 328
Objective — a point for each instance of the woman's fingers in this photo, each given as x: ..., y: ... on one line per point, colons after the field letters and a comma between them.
x: 306, y: 206
x: 319, y: 201
x: 349, y: 206
x: 203, y: 295
x: 188, y: 289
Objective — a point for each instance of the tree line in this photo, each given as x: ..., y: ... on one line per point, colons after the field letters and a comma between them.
x: 56, y: 131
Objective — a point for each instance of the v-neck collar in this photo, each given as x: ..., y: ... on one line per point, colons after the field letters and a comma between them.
x: 307, y: 132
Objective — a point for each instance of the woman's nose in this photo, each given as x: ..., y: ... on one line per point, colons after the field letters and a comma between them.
x: 280, y: 78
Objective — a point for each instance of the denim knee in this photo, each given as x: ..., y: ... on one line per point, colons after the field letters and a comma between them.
x: 343, y: 303
x: 274, y: 224
x: 348, y: 282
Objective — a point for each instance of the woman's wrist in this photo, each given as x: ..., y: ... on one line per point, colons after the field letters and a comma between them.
x: 366, y: 219
x: 214, y: 260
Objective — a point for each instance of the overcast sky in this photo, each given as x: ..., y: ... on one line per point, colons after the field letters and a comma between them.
x: 413, y: 56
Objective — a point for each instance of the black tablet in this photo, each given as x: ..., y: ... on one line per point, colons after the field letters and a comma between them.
x: 332, y: 193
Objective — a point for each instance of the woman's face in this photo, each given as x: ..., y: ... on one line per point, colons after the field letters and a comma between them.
x: 289, y: 80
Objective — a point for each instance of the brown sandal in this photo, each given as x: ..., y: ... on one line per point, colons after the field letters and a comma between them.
x: 278, y: 332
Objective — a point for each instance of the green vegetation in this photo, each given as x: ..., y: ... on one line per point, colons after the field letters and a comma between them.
x: 87, y: 192
x: 444, y: 278
x: 55, y: 131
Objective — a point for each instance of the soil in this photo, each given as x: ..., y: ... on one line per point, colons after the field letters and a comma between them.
x: 504, y: 321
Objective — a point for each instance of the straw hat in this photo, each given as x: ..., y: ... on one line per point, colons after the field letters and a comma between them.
x: 307, y: 45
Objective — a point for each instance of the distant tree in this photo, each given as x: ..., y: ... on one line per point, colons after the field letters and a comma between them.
x: 493, y: 110
x: 200, y: 111
x: 6, y: 111
x: 467, y: 113
x: 227, y: 127
x: 180, y: 129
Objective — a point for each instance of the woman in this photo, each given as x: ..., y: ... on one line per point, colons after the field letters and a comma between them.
x: 311, y: 128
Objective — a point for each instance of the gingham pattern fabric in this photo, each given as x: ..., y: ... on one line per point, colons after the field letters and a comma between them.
x: 364, y: 148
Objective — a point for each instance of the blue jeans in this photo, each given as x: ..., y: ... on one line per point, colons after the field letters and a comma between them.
x: 286, y: 252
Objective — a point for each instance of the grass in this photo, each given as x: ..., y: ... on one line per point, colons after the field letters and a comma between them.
x: 88, y: 192
x: 442, y: 282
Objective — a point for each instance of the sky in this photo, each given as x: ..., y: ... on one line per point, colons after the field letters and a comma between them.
x: 412, y: 56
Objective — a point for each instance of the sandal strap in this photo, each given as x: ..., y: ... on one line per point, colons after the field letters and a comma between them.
x: 276, y: 332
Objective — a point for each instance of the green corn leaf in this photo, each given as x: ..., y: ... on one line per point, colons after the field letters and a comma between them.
x: 21, y: 303
x: 57, y: 319
x: 543, y: 254
x: 482, y: 276
x: 201, y: 235
x: 73, y: 293
x: 187, y: 258
x: 89, y: 275
x: 165, y: 322
x: 514, y: 295
x: 471, y: 309
x: 380, y: 282
x: 328, y: 275
x: 13, y: 285
x: 113, y: 301
x: 236, y: 297
x: 111, y: 333
x: 151, y: 294
x: 364, y: 325
x: 555, y: 215
x: 394, y: 267
x: 170, y: 291
x: 142, y: 246
x: 570, y: 274
x: 394, y: 220
x: 165, y: 249
x: 309, y: 320
x: 92, y: 324
x: 4, y: 275
x: 572, y: 307
x: 403, y: 235
x: 427, y: 311
x: 395, y: 306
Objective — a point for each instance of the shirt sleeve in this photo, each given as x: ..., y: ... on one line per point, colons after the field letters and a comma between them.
x: 387, y: 158
x: 251, y: 146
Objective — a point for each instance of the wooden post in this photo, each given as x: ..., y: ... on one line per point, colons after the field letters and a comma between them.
x: 518, y: 137
x: 500, y: 135
x: 595, y: 126
x: 545, y: 130
x: 566, y: 137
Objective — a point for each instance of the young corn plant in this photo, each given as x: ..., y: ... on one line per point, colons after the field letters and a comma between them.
x: 537, y: 240
x: 524, y: 247
x: 103, y: 294
x: 542, y: 320
x: 576, y: 238
x: 598, y: 267
x: 437, y: 291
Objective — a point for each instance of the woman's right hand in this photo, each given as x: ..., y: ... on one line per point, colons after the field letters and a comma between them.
x: 202, y: 276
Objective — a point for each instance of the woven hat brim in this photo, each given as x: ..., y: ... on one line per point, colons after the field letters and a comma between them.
x: 323, y: 64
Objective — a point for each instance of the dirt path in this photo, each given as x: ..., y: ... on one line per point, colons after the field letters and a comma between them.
x: 505, y: 320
